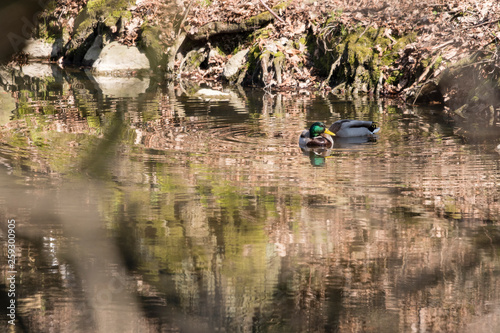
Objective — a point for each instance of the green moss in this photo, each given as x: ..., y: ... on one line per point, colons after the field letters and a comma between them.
x: 150, y: 43
x: 425, y: 62
x: 124, y: 14
x: 95, y: 4
x: 257, y: 19
x: 394, y: 77
x: 253, y: 56
x: 266, y: 16
x: 261, y: 34
x: 195, y: 60
x: 236, y: 49
x: 83, y: 21
x: 104, y: 10
x: 220, y: 51
x: 364, y: 52
x: 299, y: 43
x: 51, y: 6
x: 96, y: 11
x: 263, y: 54
x: 438, y: 62
x: 451, y: 209
x: 49, y: 110
x: 359, y: 52
x: 402, y: 41
x: 48, y: 28
x: 94, y: 121
x: 334, y: 16
x: 279, y: 55
x: 281, y: 6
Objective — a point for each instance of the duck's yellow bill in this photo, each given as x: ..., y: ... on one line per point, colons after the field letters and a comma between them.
x: 329, y: 132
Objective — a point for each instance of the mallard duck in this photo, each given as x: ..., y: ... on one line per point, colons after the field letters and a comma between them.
x: 347, y: 128
x: 317, y: 136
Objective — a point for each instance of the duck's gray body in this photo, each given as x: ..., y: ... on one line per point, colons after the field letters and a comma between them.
x: 348, y: 128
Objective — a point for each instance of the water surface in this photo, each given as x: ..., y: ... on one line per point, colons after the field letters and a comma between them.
x: 157, y: 211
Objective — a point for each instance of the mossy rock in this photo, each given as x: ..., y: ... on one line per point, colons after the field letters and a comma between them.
x: 150, y: 43
x: 264, y: 59
x: 93, y: 19
x: 360, y: 55
x: 266, y: 16
x: 234, y: 68
x: 193, y: 59
x: 107, y: 9
x: 47, y: 26
x: 215, y: 28
x: 107, y: 12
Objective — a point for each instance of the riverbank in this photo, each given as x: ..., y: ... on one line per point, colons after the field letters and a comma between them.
x: 430, y: 52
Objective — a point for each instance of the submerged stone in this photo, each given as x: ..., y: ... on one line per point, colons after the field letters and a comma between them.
x: 42, y: 71
x: 120, y: 86
x: 7, y: 105
x: 212, y: 95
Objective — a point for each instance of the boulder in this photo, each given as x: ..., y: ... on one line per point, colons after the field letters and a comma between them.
x: 118, y: 57
x: 6, y: 77
x: 150, y: 43
x: 193, y: 59
x: 39, y: 49
x: 93, y: 53
x: 234, y: 64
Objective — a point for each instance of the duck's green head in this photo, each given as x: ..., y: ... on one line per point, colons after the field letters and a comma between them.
x: 318, y: 128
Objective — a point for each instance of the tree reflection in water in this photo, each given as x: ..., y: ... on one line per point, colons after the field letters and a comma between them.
x: 167, y: 213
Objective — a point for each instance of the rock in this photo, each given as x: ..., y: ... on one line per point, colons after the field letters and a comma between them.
x: 193, y: 59
x: 118, y: 57
x: 234, y: 64
x: 40, y: 49
x: 460, y: 111
x: 150, y: 43
x: 39, y: 70
x: 6, y: 77
x: 7, y: 105
x: 120, y: 86
x: 212, y: 95
x: 93, y: 53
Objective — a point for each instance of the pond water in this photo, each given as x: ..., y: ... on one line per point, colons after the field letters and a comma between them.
x: 155, y: 211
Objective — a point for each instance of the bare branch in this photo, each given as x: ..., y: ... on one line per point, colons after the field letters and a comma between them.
x: 271, y: 11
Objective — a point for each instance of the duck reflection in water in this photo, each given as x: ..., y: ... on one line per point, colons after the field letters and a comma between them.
x: 346, y: 133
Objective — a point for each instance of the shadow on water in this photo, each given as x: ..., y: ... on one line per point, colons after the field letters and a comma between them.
x: 163, y: 212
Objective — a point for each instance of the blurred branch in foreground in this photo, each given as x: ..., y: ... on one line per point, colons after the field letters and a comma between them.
x: 17, y: 21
